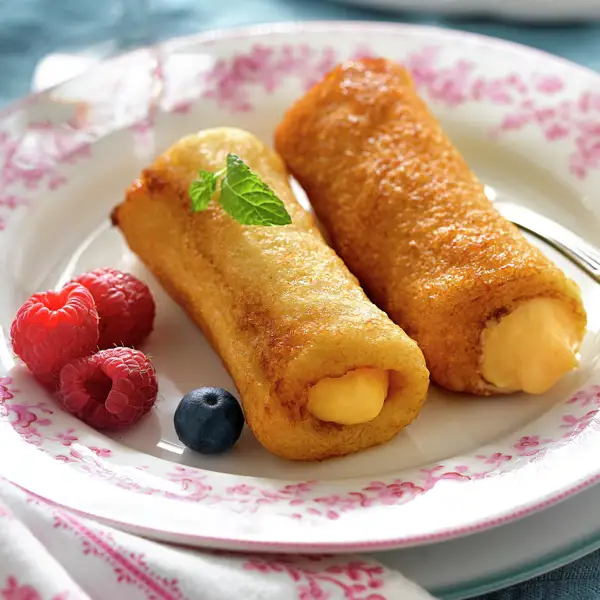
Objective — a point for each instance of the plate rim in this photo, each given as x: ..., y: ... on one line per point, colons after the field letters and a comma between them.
x: 315, y: 25
x: 344, y: 26
x: 530, y: 569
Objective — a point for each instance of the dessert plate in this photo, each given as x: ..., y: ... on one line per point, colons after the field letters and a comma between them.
x: 527, y: 123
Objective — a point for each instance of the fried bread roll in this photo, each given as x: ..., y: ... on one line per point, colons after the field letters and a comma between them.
x: 410, y: 219
x: 321, y: 371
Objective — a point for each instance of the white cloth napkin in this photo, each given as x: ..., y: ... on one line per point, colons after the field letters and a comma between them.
x: 49, y: 553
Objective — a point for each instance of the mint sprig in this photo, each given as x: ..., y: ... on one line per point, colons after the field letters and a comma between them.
x: 243, y: 195
x: 203, y: 188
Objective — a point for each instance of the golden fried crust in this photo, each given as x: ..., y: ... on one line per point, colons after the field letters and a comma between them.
x: 409, y: 217
x: 277, y: 303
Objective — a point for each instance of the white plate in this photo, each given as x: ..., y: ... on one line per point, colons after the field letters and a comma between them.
x: 527, y: 122
x: 531, y: 10
x: 501, y: 557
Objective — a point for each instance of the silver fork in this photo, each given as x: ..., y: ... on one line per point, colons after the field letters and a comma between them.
x: 583, y: 254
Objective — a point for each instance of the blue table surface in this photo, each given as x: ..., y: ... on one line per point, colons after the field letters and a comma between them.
x: 30, y: 29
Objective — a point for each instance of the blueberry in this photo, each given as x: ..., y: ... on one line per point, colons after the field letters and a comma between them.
x: 209, y: 420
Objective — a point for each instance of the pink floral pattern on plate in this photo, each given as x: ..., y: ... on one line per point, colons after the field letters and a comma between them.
x: 33, y: 160
x: 297, y: 500
x: 533, y: 101
x: 521, y: 100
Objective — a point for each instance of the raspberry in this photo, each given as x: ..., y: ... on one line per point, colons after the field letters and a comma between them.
x: 54, y: 328
x: 125, y: 306
x: 110, y: 389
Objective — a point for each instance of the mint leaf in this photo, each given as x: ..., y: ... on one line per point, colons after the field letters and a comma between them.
x: 202, y: 189
x: 248, y: 199
x: 243, y: 195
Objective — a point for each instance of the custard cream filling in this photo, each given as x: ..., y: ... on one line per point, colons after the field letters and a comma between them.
x: 356, y: 397
x: 531, y: 348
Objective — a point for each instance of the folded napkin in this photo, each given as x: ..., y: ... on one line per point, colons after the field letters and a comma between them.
x: 49, y: 553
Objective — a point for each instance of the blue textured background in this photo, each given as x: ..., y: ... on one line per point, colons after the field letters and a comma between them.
x: 30, y: 29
